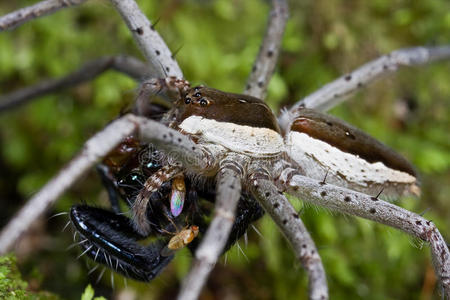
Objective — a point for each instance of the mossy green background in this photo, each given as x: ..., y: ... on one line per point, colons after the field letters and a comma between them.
x: 218, y: 41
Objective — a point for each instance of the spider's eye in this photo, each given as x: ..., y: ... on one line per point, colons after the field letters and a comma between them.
x: 187, y: 100
x: 203, y: 102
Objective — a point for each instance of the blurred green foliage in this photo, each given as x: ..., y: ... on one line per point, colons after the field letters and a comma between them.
x: 218, y: 41
x: 12, y: 287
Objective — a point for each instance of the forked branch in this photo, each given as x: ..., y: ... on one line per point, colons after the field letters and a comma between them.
x: 40, y: 9
x: 372, y: 208
x: 128, y: 65
x: 266, y: 60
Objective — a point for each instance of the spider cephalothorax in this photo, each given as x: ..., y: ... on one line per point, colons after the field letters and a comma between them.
x: 234, y: 131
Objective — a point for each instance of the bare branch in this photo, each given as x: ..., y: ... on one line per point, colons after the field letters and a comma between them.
x: 94, y: 149
x: 342, y: 88
x: 295, y: 233
x: 40, y: 9
x: 228, y: 194
x: 372, y: 208
x: 266, y: 60
x: 149, y: 41
x: 124, y: 64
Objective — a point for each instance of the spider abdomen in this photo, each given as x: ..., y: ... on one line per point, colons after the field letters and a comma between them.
x: 324, y: 145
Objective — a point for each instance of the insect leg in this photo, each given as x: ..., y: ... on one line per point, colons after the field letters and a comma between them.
x: 152, y: 184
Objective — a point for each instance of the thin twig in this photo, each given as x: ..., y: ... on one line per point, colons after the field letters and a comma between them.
x: 149, y: 41
x: 124, y: 64
x: 228, y: 194
x: 40, y: 9
x: 266, y: 60
x: 94, y: 149
x: 358, y: 204
x: 342, y: 88
x: 295, y: 233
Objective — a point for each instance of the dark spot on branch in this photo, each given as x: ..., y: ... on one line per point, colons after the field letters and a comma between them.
x: 329, y: 124
x: 372, y: 210
x: 164, y: 136
x: 323, y: 193
x: 418, y: 223
x: 348, y: 77
x: 260, y: 84
x: 248, y: 87
x: 170, y: 134
x: 374, y: 198
x: 285, y: 222
x: 232, y: 187
x: 139, y: 30
x: 179, y: 140
x: 295, y: 188
x: 167, y: 69
x: 359, y: 85
x: 254, y: 69
x: 267, y: 194
x: 347, y: 199
x: 193, y: 148
x: 157, y: 52
x: 276, y: 205
x: 295, y: 215
x: 269, y: 53
x: 385, y: 67
x: 304, y: 246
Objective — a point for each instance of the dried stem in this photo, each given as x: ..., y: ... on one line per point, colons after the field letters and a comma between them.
x: 124, y: 64
x: 94, y: 149
x: 342, y: 88
x: 358, y: 204
x: 228, y: 194
x: 295, y: 232
x: 266, y: 60
x: 149, y: 41
x: 40, y: 9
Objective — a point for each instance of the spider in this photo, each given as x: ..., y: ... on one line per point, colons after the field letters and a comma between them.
x: 264, y: 183
x: 237, y: 139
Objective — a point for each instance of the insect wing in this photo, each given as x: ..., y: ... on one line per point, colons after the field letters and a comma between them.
x: 177, y: 196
